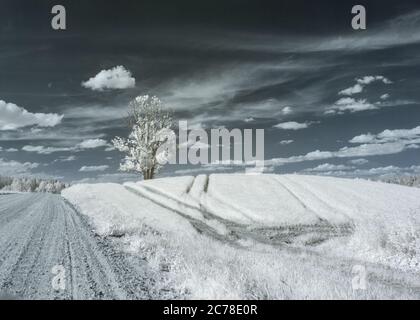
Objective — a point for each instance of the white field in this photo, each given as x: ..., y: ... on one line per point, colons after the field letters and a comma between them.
x: 263, y: 236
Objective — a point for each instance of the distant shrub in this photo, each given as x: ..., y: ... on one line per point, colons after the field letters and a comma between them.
x: 31, y: 185
x: 411, y: 181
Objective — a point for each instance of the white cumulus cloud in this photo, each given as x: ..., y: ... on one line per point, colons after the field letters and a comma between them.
x: 357, y: 88
x: 361, y: 83
x: 11, y: 168
x: 92, y: 144
x: 14, y: 117
x: 403, y: 136
x: 115, y: 78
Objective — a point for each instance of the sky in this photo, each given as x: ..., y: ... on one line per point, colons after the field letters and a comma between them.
x: 332, y: 100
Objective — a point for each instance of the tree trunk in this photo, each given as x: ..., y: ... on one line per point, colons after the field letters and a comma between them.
x: 149, y: 174
x: 152, y: 173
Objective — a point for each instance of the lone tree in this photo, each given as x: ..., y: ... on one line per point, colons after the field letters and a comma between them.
x: 148, y: 120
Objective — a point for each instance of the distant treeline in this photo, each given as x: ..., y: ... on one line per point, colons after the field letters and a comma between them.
x: 31, y: 185
x: 411, y: 181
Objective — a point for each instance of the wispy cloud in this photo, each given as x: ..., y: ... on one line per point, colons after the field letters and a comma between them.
x: 292, y: 125
x: 92, y: 144
x: 364, y: 150
x: 329, y: 167
x: 93, y: 168
x: 402, y: 30
x: 384, y: 143
x: 84, y: 145
x: 350, y: 104
x: 284, y: 142
x: 359, y: 162
x: 45, y: 150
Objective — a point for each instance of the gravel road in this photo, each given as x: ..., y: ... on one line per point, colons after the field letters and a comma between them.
x: 48, y: 251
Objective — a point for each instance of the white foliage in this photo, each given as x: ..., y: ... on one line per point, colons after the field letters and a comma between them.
x: 31, y: 185
x: 150, y: 125
x: 410, y: 181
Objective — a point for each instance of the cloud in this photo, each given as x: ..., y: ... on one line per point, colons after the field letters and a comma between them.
x: 115, y: 78
x: 369, y: 79
x: 85, y: 144
x: 45, y: 150
x: 199, y: 145
x: 93, y: 168
x: 399, y: 31
x: 399, y: 134
x: 359, y: 162
x: 385, y: 171
x: 13, y: 168
x: 413, y: 146
x: 284, y: 142
x: 350, y: 104
x: 363, y: 138
x: 8, y: 150
x: 286, y: 110
x: 211, y: 95
x: 65, y: 159
x: 14, y: 117
x: 292, y: 125
x: 250, y: 119
x: 361, y: 83
x: 364, y: 150
x: 355, y: 105
x: 329, y: 167
x: 379, y: 170
x: 93, y: 144
x: 403, y: 136
x: 383, y: 143
x: 194, y: 144
x: 357, y: 88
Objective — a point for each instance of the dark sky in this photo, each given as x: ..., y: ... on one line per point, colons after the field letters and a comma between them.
x: 292, y: 16
x: 274, y: 65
